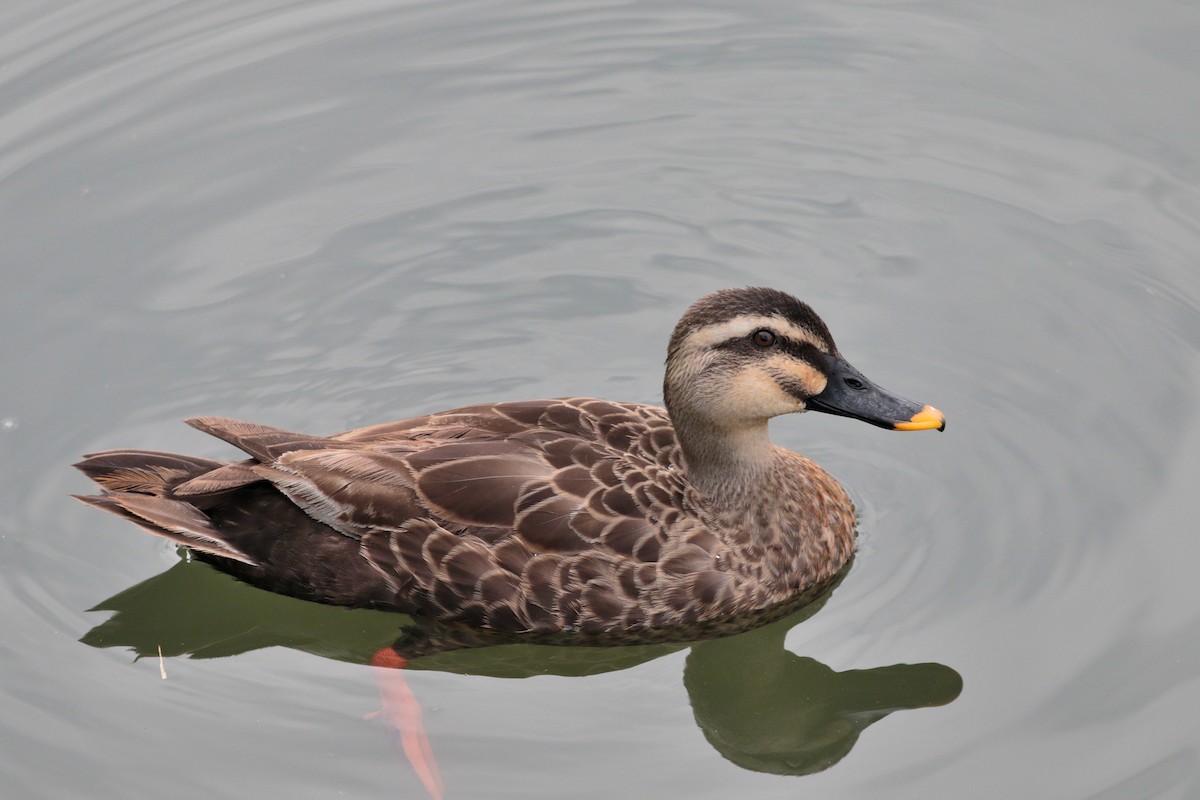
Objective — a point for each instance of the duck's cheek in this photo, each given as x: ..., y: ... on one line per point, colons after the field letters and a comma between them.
x: 757, y: 396
x: 801, y: 378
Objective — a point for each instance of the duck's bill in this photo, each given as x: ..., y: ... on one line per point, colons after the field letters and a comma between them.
x: 849, y: 393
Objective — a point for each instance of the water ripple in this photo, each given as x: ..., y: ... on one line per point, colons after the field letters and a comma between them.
x: 322, y: 214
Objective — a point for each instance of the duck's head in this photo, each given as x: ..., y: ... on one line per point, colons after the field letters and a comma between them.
x: 741, y: 356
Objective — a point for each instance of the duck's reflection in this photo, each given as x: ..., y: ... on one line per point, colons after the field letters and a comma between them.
x: 769, y: 710
x: 759, y: 705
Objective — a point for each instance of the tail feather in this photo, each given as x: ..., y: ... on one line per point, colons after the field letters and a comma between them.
x: 170, y: 519
x: 223, y: 479
x: 139, y: 485
x: 142, y: 471
x: 260, y: 441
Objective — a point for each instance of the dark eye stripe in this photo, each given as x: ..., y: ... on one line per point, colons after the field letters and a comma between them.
x: 803, y: 351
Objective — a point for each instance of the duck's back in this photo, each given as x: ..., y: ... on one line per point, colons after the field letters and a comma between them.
x: 559, y: 515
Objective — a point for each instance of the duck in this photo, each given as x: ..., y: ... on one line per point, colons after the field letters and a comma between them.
x: 569, y: 516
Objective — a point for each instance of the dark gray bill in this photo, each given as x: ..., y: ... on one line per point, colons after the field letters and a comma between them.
x: 849, y: 393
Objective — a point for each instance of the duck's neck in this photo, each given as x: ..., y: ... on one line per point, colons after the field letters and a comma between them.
x: 726, y: 463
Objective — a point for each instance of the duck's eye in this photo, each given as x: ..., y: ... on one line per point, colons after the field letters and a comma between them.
x: 763, y: 337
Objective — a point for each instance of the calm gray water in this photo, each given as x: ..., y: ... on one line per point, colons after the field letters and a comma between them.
x: 319, y: 215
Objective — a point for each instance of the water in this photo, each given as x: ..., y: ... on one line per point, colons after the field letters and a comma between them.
x: 321, y: 215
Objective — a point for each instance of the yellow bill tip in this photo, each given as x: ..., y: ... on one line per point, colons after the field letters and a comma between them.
x: 928, y: 418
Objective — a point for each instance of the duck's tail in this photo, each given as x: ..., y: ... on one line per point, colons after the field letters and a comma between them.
x: 139, y: 486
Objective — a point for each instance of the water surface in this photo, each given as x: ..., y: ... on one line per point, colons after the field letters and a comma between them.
x: 320, y: 215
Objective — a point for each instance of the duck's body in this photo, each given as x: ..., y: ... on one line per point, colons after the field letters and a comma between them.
x: 572, y: 515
